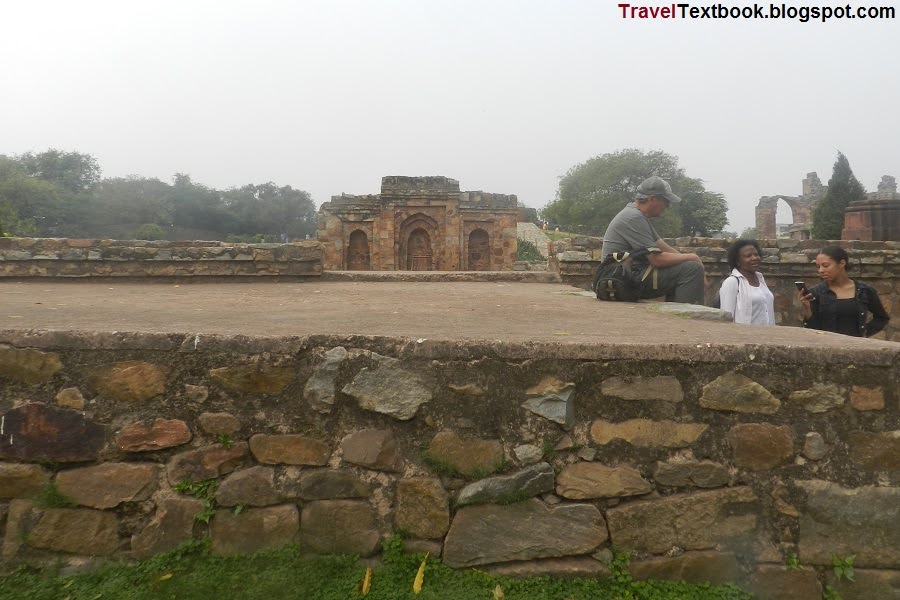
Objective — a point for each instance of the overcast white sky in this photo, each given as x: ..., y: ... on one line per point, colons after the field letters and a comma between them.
x: 505, y: 96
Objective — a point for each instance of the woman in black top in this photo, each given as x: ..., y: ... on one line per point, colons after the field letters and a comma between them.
x: 841, y: 304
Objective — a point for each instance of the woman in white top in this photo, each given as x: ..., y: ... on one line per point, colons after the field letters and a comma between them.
x: 744, y: 293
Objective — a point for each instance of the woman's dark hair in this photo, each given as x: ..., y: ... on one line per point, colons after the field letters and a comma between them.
x: 735, y: 250
x: 837, y: 254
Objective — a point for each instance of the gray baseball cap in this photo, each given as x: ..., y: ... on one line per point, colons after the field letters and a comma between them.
x: 657, y: 186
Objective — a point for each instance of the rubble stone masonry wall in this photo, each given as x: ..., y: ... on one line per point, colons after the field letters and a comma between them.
x: 784, y: 261
x: 514, y: 458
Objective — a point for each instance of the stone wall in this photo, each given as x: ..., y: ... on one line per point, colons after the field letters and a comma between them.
x: 515, y: 458
x: 784, y: 261
x: 77, y: 258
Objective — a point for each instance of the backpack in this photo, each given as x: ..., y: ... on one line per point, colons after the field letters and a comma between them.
x: 616, y: 279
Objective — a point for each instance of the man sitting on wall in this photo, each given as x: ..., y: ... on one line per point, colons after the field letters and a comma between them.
x: 677, y: 276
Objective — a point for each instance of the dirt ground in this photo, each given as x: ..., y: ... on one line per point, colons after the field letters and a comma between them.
x: 501, y: 311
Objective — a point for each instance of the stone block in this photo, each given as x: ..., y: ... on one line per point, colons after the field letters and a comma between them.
x: 319, y: 389
x: 372, y: 448
x: 867, y: 584
x: 695, y: 521
x: 205, y: 463
x: 528, y: 530
x: 41, y: 433
x: 468, y: 456
x: 389, y: 389
x: 217, y: 424
x: 643, y: 388
x: 771, y: 582
x: 19, y: 480
x: 196, y: 393
x: 531, y: 481
x: 738, y: 393
x: 20, y: 518
x: 164, y: 433
x: 339, y: 527
x: 254, y: 486
x: 876, y: 451
x: 864, y: 521
x: 108, y: 484
x: 329, y: 484
x: 814, y: 447
x: 647, y: 433
x: 423, y: 507
x: 129, y: 381
x: 866, y: 398
x: 253, y: 529
x: 761, y: 446
x: 559, y: 568
x: 70, y: 398
x: 691, y: 473
x: 699, y: 567
x: 253, y: 379
x: 819, y: 398
x: 552, y: 399
x: 28, y: 366
x: 586, y: 480
x: 76, y: 531
x: 172, y: 524
x: 289, y: 449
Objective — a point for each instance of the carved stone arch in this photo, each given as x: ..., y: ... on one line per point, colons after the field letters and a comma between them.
x: 478, y: 251
x: 766, y: 209
x: 358, y: 254
x: 419, y: 237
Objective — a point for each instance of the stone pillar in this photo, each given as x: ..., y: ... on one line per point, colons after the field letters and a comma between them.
x: 765, y: 218
x: 877, y: 218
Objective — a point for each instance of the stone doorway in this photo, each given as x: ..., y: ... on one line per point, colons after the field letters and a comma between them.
x: 418, y: 251
x: 358, y: 252
x: 479, y: 251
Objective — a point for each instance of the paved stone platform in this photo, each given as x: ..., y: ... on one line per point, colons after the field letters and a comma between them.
x: 556, y: 317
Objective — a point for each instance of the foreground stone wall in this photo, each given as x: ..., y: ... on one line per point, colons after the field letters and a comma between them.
x: 77, y: 258
x: 784, y: 261
x: 523, y: 458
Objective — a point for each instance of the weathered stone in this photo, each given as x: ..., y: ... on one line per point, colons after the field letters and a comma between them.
x: 218, y: 423
x: 171, y: 525
x: 867, y: 584
x: 164, y: 433
x: 423, y: 507
x: 253, y: 529
x: 319, y: 390
x: 531, y: 481
x: 389, y: 389
x: 372, y: 448
x: 691, y: 473
x: 205, y: 463
x: 254, y: 486
x: 77, y: 531
x: 819, y: 398
x: 761, y: 446
x: 569, y: 567
x: 693, y: 567
x: 780, y: 583
x: 19, y: 480
x: 876, y: 451
x: 469, y: 456
x: 41, y: 433
x: 689, y: 311
x: 864, y: 521
x: 108, y: 484
x: 339, y: 527
x: 735, y: 392
x: 330, y: 484
x: 70, y: 398
x: 584, y: 480
x: 552, y: 399
x: 253, y: 379
x: 528, y: 453
x: 20, y: 518
x: 528, y: 530
x: 814, y: 447
x: 469, y: 389
x: 28, y: 366
x: 643, y: 388
x: 129, y: 381
x: 866, y: 398
x: 644, y: 432
x: 289, y: 449
x: 696, y: 521
x: 196, y: 393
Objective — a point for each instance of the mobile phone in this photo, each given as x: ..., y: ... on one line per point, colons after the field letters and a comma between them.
x: 800, y: 286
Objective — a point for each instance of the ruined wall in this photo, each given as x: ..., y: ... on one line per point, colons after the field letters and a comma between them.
x: 52, y: 257
x: 709, y: 464
x: 784, y: 261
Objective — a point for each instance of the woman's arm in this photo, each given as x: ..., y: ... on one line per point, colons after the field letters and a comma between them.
x: 880, y: 317
x: 728, y: 295
x: 811, y: 315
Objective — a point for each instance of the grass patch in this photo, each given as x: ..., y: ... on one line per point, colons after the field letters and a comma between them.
x: 192, y: 573
x: 51, y: 497
x: 527, y: 251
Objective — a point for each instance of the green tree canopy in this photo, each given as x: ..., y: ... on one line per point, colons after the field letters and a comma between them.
x: 843, y: 188
x: 592, y: 193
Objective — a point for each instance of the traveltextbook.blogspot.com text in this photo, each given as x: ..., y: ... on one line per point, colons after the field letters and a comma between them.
x: 804, y: 14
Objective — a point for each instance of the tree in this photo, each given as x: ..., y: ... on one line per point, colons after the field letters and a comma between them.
x: 843, y: 188
x: 749, y: 233
x: 72, y: 171
x: 267, y: 208
x: 592, y: 193
x: 36, y: 206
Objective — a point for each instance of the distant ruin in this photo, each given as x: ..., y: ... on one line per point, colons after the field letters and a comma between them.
x: 419, y: 224
x: 801, y: 210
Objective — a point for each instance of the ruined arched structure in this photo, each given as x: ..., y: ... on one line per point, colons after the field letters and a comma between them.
x: 801, y: 210
x: 877, y: 218
x: 420, y: 223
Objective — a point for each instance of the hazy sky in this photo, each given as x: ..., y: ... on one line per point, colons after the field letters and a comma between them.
x: 505, y: 96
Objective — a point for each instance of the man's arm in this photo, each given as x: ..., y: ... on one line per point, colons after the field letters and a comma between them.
x: 670, y: 256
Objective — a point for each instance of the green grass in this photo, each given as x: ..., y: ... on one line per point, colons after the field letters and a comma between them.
x: 192, y: 573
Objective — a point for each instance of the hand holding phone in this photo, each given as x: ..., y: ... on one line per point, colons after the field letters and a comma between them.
x: 801, y: 287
